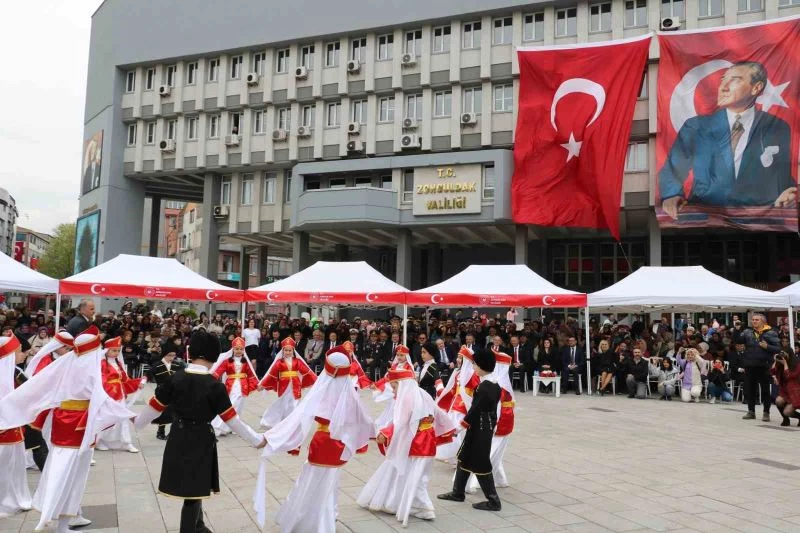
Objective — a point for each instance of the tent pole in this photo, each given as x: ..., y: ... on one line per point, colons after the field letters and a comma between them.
x: 791, y: 329
x: 58, y: 310
x: 672, y: 324
x: 244, y: 311
x: 588, y: 354
x: 405, y: 324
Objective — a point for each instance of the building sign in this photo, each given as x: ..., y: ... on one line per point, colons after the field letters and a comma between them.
x: 451, y: 190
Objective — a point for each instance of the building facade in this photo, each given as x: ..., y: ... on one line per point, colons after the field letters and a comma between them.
x: 33, y: 246
x: 385, y: 136
x: 8, y: 222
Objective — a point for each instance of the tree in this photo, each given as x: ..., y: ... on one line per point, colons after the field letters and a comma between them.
x: 58, y: 260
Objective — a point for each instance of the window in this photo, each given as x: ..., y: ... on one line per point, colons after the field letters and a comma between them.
x: 150, y: 138
x: 307, y: 56
x: 282, y: 64
x: 600, y: 17
x: 307, y: 115
x: 784, y: 3
x: 235, y: 121
x: 149, y: 79
x: 471, y: 36
x: 332, y: 54
x: 131, y: 134
x: 567, y: 22
x: 750, y: 5
x: 635, y: 13
x: 259, y: 59
x: 236, y: 67
x: 225, y: 190
x: 386, y: 182
x: 533, y: 27
x: 191, y: 216
x: 284, y: 121
x: 386, y: 110
x: 247, y: 189
x: 414, y: 42
x: 385, y: 45
x: 337, y: 183
x: 363, y: 182
x: 170, y: 77
x: 312, y: 185
x: 488, y: 182
x: 414, y: 106
x: 332, y: 114
x: 441, y: 39
x: 191, y: 128
x: 258, y: 122
x: 643, y: 88
x: 130, y: 81
x: 191, y: 73
x: 269, y: 188
x: 287, y: 187
x: 171, y: 127
x: 501, y: 32
x: 227, y: 263
x: 408, y: 185
x: 636, y: 160
x: 358, y: 111
x: 674, y: 8
x: 213, y: 126
x: 441, y: 103
x: 713, y: 8
x: 503, y: 98
x: 472, y: 100
x: 213, y: 70
x: 358, y: 49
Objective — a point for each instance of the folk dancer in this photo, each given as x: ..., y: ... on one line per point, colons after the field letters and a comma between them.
x: 400, y: 485
x: 456, y: 399
x: 118, y: 386
x: 73, y: 385
x: 14, y: 493
x: 428, y: 375
x: 160, y: 373
x: 383, y: 392
x: 357, y: 376
x: 240, y: 381
x: 190, y: 469
x: 288, y: 376
x: 341, y: 427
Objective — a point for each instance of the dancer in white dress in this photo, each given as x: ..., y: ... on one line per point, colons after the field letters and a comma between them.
x: 456, y: 399
x: 288, y: 376
x: 118, y: 386
x: 14, y: 493
x: 240, y: 380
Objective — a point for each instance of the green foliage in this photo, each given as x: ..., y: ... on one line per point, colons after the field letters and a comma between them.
x: 57, y: 262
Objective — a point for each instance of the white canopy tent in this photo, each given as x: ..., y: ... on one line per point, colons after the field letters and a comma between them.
x: 793, y: 292
x: 14, y: 276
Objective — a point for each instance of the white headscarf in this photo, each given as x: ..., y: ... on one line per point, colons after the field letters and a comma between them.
x: 46, y: 350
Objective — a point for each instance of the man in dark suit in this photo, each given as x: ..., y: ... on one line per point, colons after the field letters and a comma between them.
x: 517, y: 353
x: 445, y: 358
x: 390, y: 346
x: 573, y: 360
x: 739, y: 156
x: 416, y: 349
x: 82, y: 320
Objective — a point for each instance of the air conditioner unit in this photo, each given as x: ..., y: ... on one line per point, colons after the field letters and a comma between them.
x: 221, y: 211
x: 409, y: 123
x: 279, y: 135
x: 670, y: 24
x: 355, y: 146
x: 353, y: 128
x: 468, y: 119
x: 167, y: 145
x: 232, y: 140
x: 408, y: 60
x: 353, y: 66
x: 165, y: 90
x: 301, y: 73
x: 252, y: 78
x: 304, y: 131
x: 409, y: 142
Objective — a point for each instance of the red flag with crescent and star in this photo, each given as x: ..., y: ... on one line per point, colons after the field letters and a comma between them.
x: 728, y: 127
x: 576, y: 106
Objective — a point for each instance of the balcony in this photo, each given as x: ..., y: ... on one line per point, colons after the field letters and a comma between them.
x: 351, y: 205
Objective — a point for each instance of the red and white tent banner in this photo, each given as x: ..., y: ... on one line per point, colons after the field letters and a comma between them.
x: 496, y: 286
x: 152, y: 278
x: 332, y: 283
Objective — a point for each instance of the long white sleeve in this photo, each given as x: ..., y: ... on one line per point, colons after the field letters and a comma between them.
x: 245, y: 432
x: 145, y: 417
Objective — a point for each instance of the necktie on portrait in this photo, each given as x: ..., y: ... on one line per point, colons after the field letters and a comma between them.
x: 736, y: 133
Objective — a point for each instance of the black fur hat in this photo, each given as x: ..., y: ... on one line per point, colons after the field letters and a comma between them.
x: 204, y: 345
x: 484, y: 359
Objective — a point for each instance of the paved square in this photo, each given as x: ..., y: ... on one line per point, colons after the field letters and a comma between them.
x: 577, y: 463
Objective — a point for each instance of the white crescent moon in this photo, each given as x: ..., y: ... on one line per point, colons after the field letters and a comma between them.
x: 270, y: 297
x: 681, y: 103
x: 436, y: 298
x: 94, y: 290
x: 210, y: 294
x: 548, y: 300
x: 579, y: 85
x: 370, y: 297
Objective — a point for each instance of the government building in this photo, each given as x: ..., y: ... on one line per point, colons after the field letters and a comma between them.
x: 347, y: 130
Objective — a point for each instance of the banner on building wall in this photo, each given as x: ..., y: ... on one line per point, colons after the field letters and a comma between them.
x: 92, y: 161
x: 576, y: 106
x: 87, y: 237
x: 19, y: 251
x: 729, y: 128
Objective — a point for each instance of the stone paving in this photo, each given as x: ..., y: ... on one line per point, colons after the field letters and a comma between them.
x: 577, y: 463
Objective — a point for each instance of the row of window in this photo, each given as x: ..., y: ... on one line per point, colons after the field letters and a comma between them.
x: 246, y: 188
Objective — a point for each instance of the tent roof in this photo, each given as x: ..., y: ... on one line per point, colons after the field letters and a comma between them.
x: 496, y: 286
x: 684, y: 288
x: 792, y: 291
x: 328, y: 282
x: 14, y: 276
x: 154, y: 278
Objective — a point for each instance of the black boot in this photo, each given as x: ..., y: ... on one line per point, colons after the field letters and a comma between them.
x: 40, y: 455
x: 492, y: 502
x: 191, y: 515
x: 201, y: 527
x: 797, y: 416
x: 459, y: 484
x: 160, y: 434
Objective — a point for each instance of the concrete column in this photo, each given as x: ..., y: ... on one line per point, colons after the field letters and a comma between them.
x: 261, y: 265
x: 521, y: 244
x: 403, y: 276
x: 300, y: 256
x: 655, y: 240
x: 209, y: 241
x: 341, y: 252
x: 155, y: 224
x: 244, y: 269
x: 434, y: 263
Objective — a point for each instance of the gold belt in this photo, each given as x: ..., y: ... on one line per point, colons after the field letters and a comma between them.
x: 289, y: 374
x: 75, y: 405
x: 114, y: 381
x: 238, y: 376
x: 323, y: 428
x: 507, y: 404
x: 424, y: 426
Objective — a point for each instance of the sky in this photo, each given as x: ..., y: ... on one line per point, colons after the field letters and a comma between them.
x: 42, y: 94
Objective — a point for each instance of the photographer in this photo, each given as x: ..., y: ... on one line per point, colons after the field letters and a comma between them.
x: 761, y: 345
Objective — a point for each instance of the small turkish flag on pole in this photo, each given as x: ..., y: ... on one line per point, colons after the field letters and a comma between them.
x: 576, y: 107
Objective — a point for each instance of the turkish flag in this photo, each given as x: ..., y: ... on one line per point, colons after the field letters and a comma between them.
x: 576, y: 107
x: 35, y: 263
x: 706, y: 79
x: 19, y: 250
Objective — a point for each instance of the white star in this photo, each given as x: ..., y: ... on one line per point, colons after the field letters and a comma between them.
x: 572, y: 147
x: 772, y: 96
